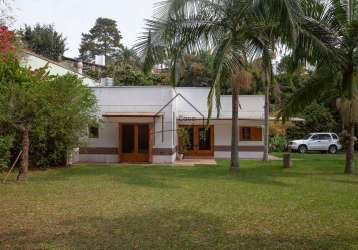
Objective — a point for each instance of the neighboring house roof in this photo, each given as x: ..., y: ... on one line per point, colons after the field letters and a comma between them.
x: 36, y: 61
x: 65, y: 58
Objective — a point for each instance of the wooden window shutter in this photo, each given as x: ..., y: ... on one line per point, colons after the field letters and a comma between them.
x: 241, y: 134
x: 256, y: 134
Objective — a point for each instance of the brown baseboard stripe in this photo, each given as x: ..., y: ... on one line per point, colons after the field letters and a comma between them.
x: 99, y: 151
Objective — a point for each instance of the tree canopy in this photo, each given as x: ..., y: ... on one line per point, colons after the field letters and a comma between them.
x: 44, y: 40
x: 103, y: 39
x: 54, y: 109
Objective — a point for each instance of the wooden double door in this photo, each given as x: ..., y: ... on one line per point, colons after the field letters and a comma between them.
x: 135, y: 143
x: 201, y: 141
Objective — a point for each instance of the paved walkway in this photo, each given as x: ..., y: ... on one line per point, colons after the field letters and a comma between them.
x: 193, y: 162
x: 274, y: 158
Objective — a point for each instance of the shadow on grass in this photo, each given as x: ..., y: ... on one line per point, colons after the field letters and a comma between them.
x: 163, y: 229
x: 167, y: 177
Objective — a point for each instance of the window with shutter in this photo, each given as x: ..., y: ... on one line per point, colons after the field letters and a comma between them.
x: 250, y: 134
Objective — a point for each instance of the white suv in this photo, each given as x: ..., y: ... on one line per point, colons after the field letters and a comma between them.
x: 328, y: 142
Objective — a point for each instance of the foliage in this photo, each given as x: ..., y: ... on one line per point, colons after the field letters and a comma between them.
x: 20, y: 88
x: 53, y: 110
x: 6, y: 41
x: 103, y: 39
x: 70, y: 106
x: 336, y: 72
x: 126, y: 74
x: 277, y: 128
x: 5, y: 155
x: 198, y: 70
x: 278, y: 143
x: 317, y: 118
x: 128, y: 56
x: 184, y: 140
x: 44, y: 40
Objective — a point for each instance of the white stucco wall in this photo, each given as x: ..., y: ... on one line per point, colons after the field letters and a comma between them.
x: 151, y: 100
x: 132, y: 100
x: 252, y: 106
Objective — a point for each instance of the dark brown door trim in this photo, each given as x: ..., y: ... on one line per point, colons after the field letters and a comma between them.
x: 136, y: 156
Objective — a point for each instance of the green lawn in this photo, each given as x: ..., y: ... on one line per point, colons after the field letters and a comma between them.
x: 312, y: 206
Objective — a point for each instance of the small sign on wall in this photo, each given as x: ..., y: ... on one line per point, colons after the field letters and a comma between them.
x: 187, y: 118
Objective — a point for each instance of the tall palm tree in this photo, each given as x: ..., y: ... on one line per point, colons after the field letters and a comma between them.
x: 341, y: 17
x: 231, y: 30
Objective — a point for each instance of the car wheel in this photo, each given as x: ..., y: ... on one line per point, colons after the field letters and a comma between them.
x: 332, y: 149
x: 302, y: 149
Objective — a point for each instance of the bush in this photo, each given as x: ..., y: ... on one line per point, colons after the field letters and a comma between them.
x: 278, y: 143
x: 71, y: 106
x: 5, y: 155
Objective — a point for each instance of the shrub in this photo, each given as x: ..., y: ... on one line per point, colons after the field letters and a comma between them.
x: 5, y: 155
x: 278, y: 143
x: 71, y: 106
x: 184, y: 140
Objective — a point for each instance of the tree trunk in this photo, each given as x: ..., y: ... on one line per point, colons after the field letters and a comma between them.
x: 24, y: 168
x: 350, y: 150
x: 267, y: 117
x: 349, y: 169
x: 235, y: 162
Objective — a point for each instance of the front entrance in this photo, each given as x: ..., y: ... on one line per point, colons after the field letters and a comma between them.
x: 134, y: 143
x: 201, y: 141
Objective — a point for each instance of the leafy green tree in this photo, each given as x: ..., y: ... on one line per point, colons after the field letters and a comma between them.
x: 103, y: 39
x: 198, y: 70
x: 70, y: 107
x: 44, y: 40
x: 317, y: 118
x: 56, y: 109
x: 19, y: 106
x: 232, y: 30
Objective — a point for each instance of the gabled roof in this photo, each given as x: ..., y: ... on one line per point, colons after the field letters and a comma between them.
x: 57, y: 64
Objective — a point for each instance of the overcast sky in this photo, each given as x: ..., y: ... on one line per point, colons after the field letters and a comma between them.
x: 73, y: 17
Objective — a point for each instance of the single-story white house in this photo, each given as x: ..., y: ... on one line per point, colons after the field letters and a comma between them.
x: 139, y: 124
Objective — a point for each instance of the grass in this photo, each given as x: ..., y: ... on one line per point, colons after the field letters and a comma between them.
x: 311, y: 206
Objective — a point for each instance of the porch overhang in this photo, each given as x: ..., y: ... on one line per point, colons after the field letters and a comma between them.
x: 132, y: 114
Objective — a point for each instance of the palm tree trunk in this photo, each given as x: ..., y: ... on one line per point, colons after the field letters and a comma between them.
x: 24, y: 168
x: 350, y: 151
x: 349, y: 169
x: 235, y: 162
x: 267, y: 117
